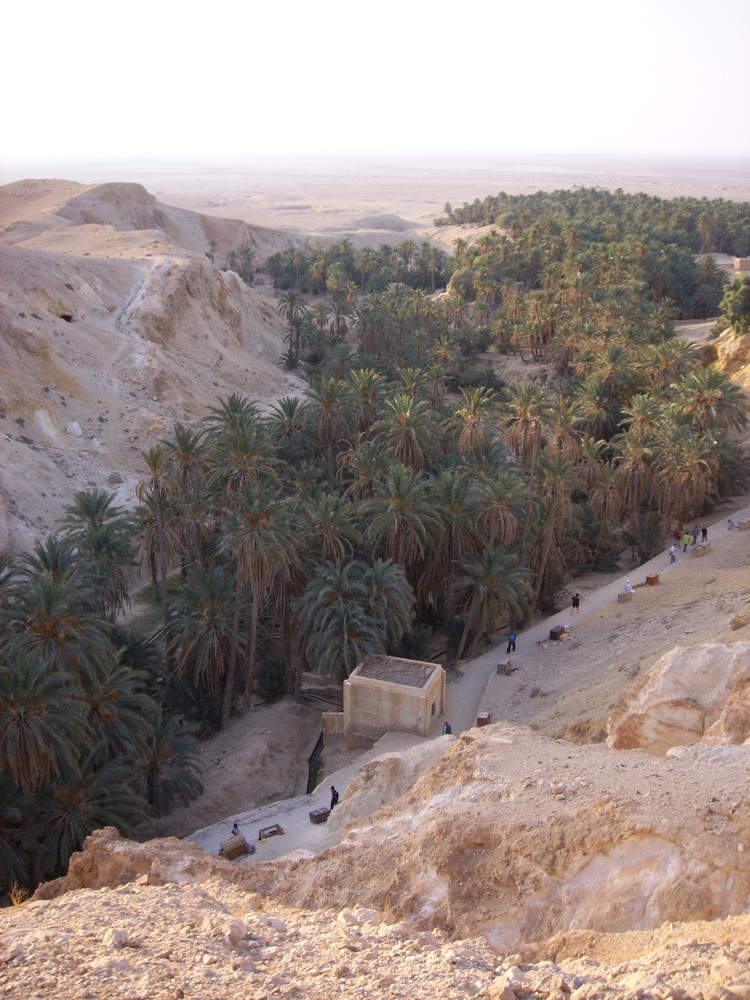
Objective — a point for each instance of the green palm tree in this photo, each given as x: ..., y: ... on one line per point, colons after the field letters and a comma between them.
x: 400, y: 519
x: 453, y: 538
x: 261, y: 540
x: 361, y: 467
x: 288, y: 424
x: 166, y: 770
x: 471, y: 420
x: 500, y: 501
x: 329, y: 521
x: 686, y: 468
x: 42, y: 723
x: 330, y: 403
x: 337, y: 626
x: 368, y: 387
x: 633, y: 458
x: 99, y: 794
x: 711, y: 400
x: 156, y: 488
x: 239, y: 455
x: 204, y: 634
x: 489, y: 587
x: 57, y: 622
x: 558, y: 478
x: 390, y: 599
x: 102, y: 534
x: 409, y: 430
x: 116, y: 708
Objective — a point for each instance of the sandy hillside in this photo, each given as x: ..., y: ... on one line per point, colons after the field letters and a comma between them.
x: 115, y: 325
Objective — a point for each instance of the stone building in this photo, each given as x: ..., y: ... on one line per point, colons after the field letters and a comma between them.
x: 387, y: 694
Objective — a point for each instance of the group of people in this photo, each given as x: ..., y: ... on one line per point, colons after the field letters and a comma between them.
x: 685, y: 538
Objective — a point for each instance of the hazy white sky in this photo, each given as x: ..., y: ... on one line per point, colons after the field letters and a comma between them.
x: 161, y: 78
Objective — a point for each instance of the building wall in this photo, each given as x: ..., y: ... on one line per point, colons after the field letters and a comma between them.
x: 373, y: 707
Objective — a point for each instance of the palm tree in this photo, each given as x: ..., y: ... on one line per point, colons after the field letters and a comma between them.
x: 288, y: 427
x: 330, y: 403
x: 526, y: 411
x: 361, y: 467
x: 187, y: 452
x: 558, y: 478
x: 204, y: 635
x: 471, y: 420
x: 686, y: 470
x: 390, y: 599
x: 239, y: 455
x: 290, y: 306
x: 57, y: 621
x: 711, y: 400
x: 633, y: 454
x: 453, y: 537
x: 368, y: 387
x: 156, y: 487
x: 399, y: 519
x: 338, y: 628
x: 598, y: 409
x: 42, y: 722
x: 605, y: 499
x: 98, y: 794
x: 259, y: 538
x: 102, y: 535
x: 167, y: 767
x: 329, y: 520
x: 116, y: 708
x: 489, y: 587
x: 500, y: 500
x: 408, y: 429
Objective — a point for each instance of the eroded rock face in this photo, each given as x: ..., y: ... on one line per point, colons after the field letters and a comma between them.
x: 506, y: 852
x: 693, y: 694
x: 519, y: 837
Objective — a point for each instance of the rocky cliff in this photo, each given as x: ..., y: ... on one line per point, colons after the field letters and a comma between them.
x: 114, y: 325
x: 510, y: 865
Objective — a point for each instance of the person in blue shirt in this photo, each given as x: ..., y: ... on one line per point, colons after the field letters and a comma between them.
x: 512, y: 640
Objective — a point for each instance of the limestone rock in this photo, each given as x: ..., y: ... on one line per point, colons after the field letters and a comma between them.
x: 692, y: 694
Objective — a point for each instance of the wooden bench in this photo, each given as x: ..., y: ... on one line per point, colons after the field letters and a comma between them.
x: 269, y: 831
x: 701, y: 550
x: 483, y: 719
x: 319, y: 815
x: 504, y: 667
x: 557, y: 632
x: 652, y: 579
x: 624, y: 596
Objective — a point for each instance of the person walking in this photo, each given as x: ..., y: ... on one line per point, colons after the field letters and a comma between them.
x: 672, y: 556
x: 694, y: 534
x: 685, y: 541
x: 334, y: 797
x: 512, y: 635
x: 575, y: 603
x: 704, y: 534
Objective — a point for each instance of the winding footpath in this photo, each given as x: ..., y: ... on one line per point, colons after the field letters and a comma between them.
x: 465, y: 693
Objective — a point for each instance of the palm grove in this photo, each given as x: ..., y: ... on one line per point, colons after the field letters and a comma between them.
x: 410, y: 502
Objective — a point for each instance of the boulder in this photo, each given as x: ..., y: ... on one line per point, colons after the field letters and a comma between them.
x: 691, y: 695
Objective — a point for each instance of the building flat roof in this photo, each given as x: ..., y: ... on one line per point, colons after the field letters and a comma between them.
x: 410, y: 673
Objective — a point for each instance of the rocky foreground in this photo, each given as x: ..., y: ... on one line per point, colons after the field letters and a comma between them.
x: 511, y: 866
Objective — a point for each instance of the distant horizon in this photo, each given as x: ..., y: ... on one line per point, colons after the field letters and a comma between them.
x: 663, y: 175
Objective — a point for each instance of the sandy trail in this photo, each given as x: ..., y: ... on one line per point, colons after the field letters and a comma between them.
x: 555, y: 683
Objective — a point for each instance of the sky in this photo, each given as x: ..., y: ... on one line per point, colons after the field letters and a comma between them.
x: 159, y: 79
